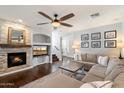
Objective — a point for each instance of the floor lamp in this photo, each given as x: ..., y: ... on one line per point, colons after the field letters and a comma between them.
x: 120, y: 46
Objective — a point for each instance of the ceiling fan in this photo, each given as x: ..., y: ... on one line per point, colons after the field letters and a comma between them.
x: 57, y: 22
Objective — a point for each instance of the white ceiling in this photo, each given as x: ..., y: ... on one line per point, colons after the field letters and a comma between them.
x: 82, y: 20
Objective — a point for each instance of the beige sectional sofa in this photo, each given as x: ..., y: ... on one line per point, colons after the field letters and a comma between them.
x: 113, y: 72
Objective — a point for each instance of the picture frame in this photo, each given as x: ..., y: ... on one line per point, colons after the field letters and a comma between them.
x: 84, y: 37
x: 16, y: 36
x: 110, y: 34
x: 96, y: 44
x: 84, y: 44
x: 95, y: 36
x: 110, y: 43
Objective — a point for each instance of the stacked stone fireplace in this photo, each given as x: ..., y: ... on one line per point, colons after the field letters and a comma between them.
x: 12, y: 59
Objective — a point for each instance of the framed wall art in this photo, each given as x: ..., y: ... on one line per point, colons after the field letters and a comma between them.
x: 16, y: 36
x: 85, y: 37
x: 110, y: 43
x: 95, y: 36
x: 84, y: 44
x: 110, y: 34
x: 96, y: 44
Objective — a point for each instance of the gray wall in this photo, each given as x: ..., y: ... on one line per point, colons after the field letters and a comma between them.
x: 70, y: 38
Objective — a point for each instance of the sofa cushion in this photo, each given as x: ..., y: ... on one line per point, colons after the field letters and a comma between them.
x: 103, y: 60
x: 115, y: 72
x: 98, y: 70
x: 112, y: 63
x: 97, y: 84
x: 90, y: 78
x: 91, y: 58
x: 83, y: 57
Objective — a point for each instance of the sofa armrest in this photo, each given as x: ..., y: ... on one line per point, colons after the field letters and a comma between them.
x: 119, y: 81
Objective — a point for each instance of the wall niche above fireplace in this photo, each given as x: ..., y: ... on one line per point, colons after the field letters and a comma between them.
x: 40, y: 50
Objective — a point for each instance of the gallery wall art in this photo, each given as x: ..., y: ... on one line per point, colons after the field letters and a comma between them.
x: 95, y: 36
x: 96, y: 44
x: 110, y: 34
x: 110, y: 44
x: 85, y: 44
x: 97, y: 40
x: 85, y: 37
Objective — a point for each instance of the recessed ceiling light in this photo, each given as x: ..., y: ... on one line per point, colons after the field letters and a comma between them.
x: 20, y: 20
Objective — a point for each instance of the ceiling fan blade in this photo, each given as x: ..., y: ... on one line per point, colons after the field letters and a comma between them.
x: 66, y: 24
x: 45, y: 15
x: 66, y: 17
x: 42, y: 23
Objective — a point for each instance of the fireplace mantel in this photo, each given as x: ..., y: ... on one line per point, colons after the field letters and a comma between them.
x: 13, y: 46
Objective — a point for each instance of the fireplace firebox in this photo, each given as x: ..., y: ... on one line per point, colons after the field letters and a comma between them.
x: 16, y: 59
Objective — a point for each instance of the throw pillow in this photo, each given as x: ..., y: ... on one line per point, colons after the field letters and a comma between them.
x: 98, y: 84
x: 103, y: 60
x: 115, y: 72
x: 112, y: 63
x: 91, y: 58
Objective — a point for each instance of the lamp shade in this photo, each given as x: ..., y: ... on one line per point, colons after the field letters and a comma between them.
x: 75, y: 47
x: 56, y: 24
x: 120, y: 45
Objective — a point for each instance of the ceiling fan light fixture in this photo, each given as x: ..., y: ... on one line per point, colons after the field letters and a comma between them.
x: 55, y: 24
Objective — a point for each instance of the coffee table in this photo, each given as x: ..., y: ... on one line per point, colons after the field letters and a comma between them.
x: 72, y: 67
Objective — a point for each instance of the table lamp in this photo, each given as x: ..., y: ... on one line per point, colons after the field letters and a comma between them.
x: 76, y: 50
x: 120, y: 45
